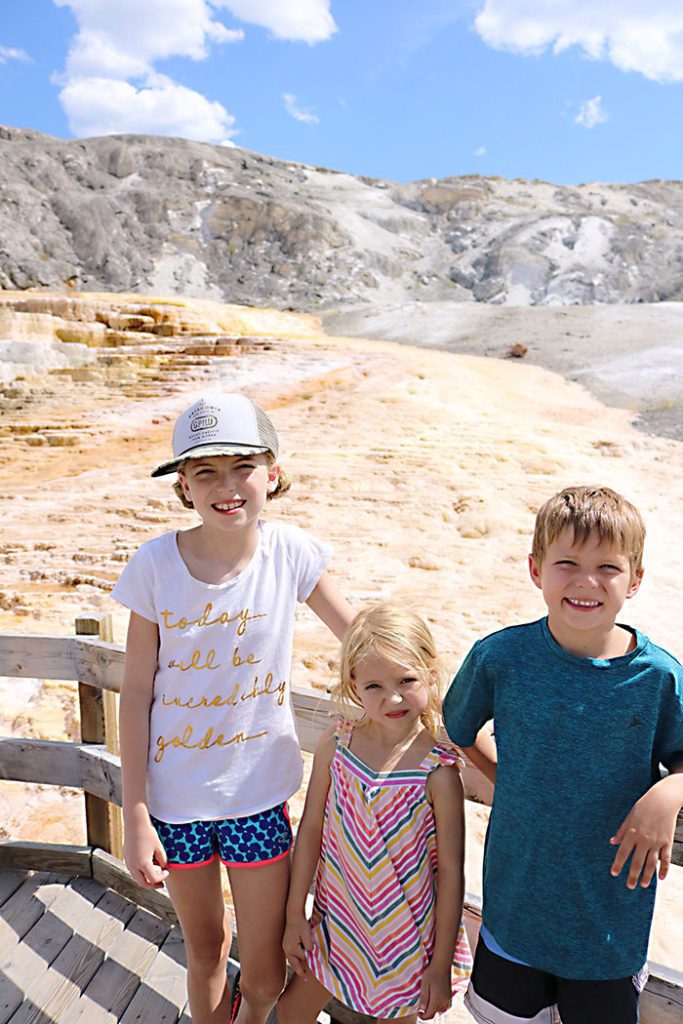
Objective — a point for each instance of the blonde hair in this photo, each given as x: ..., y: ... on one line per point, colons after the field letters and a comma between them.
x: 395, y: 632
x: 282, y: 486
x: 588, y: 511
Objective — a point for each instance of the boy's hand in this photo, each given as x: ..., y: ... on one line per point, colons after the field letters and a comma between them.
x: 646, y: 834
x: 435, y: 992
x: 296, y: 940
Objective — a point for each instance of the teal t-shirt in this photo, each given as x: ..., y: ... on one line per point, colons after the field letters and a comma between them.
x: 579, y: 741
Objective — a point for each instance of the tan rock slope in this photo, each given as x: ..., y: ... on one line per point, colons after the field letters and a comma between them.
x: 424, y: 470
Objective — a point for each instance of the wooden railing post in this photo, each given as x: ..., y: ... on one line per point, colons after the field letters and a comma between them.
x: 99, y: 725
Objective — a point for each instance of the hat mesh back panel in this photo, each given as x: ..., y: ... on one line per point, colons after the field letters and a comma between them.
x: 266, y: 430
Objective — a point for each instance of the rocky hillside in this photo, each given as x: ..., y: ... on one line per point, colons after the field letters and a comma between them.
x: 151, y: 214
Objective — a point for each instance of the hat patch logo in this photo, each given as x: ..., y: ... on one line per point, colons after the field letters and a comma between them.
x: 203, y: 423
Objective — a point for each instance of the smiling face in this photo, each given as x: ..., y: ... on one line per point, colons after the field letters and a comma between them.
x: 393, y: 696
x: 229, y: 491
x: 584, y: 587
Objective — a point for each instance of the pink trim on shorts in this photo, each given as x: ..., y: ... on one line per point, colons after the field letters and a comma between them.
x: 252, y: 863
x: 270, y: 860
x: 186, y: 867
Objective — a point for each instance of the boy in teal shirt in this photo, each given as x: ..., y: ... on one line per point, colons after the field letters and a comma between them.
x: 585, y: 710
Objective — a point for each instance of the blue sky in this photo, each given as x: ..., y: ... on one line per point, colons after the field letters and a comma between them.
x: 567, y: 91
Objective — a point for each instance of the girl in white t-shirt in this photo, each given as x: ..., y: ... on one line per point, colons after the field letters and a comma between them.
x: 209, y: 751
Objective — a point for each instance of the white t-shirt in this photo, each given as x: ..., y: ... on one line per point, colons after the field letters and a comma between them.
x: 222, y: 737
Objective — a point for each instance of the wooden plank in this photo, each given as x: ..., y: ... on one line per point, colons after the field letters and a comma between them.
x: 98, y: 725
x: 113, y: 873
x: 662, y: 1000
x: 162, y: 994
x: 115, y: 983
x: 61, y: 763
x: 61, y: 984
x: 677, y: 852
x: 37, y: 656
x: 71, y: 860
x: 26, y: 906
x: 100, y: 774
x: 10, y: 882
x: 26, y: 960
x: 99, y: 663
x: 39, y: 761
x: 40, y: 656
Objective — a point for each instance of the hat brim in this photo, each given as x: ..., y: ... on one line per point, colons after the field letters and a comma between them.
x: 206, y: 451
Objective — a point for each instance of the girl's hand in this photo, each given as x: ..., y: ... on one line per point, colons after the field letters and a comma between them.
x: 435, y: 993
x: 297, y: 939
x: 143, y: 853
x: 646, y: 834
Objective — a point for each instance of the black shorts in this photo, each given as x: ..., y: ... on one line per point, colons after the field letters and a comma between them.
x: 504, y: 992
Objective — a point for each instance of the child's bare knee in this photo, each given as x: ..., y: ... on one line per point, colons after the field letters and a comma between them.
x: 208, y: 950
x: 264, y: 986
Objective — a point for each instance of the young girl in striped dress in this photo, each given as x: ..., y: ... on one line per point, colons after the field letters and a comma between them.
x: 383, y: 832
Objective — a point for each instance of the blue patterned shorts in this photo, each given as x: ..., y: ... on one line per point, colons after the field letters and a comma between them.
x: 242, y: 842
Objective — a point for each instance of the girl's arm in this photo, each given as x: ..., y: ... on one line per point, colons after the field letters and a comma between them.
x: 142, y: 851
x: 329, y: 605
x: 297, y: 937
x: 445, y: 793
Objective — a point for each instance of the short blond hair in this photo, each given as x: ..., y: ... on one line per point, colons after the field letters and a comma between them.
x: 395, y: 632
x: 589, y: 511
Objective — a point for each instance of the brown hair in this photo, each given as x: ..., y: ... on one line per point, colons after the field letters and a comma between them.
x: 587, y: 511
x: 395, y: 632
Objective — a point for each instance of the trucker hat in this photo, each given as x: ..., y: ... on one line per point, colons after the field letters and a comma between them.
x: 230, y: 424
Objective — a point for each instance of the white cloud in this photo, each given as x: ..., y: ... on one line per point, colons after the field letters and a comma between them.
x: 104, y: 106
x: 307, y: 20
x: 304, y: 114
x: 143, y: 30
x: 635, y: 35
x: 591, y: 113
x: 479, y: 152
x: 110, y: 83
x: 10, y: 53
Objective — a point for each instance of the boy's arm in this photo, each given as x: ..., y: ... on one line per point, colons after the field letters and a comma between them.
x: 484, y: 754
x: 297, y: 937
x: 468, y: 708
x: 143, y: 852
x: 329, y: 605
x: 445, y: 793
x: 646, y: 834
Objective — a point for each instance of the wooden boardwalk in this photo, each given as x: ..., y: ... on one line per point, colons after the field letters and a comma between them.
x: 73, y: 950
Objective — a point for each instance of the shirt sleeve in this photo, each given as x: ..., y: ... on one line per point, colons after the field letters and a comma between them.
x: 308, y: 557
x: 135, y: 586
x: 469, y: 701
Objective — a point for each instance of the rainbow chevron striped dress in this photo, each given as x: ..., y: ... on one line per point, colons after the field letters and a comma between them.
x: 374, y: 891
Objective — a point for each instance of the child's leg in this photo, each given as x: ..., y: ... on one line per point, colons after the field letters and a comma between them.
x: 198, y: 901
x: 594, y: 1002
x: 259, y: 895
x: 302, y: 1000
x: 502, y: 991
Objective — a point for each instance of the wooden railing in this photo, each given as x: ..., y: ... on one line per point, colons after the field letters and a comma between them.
x: 93, y: 765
